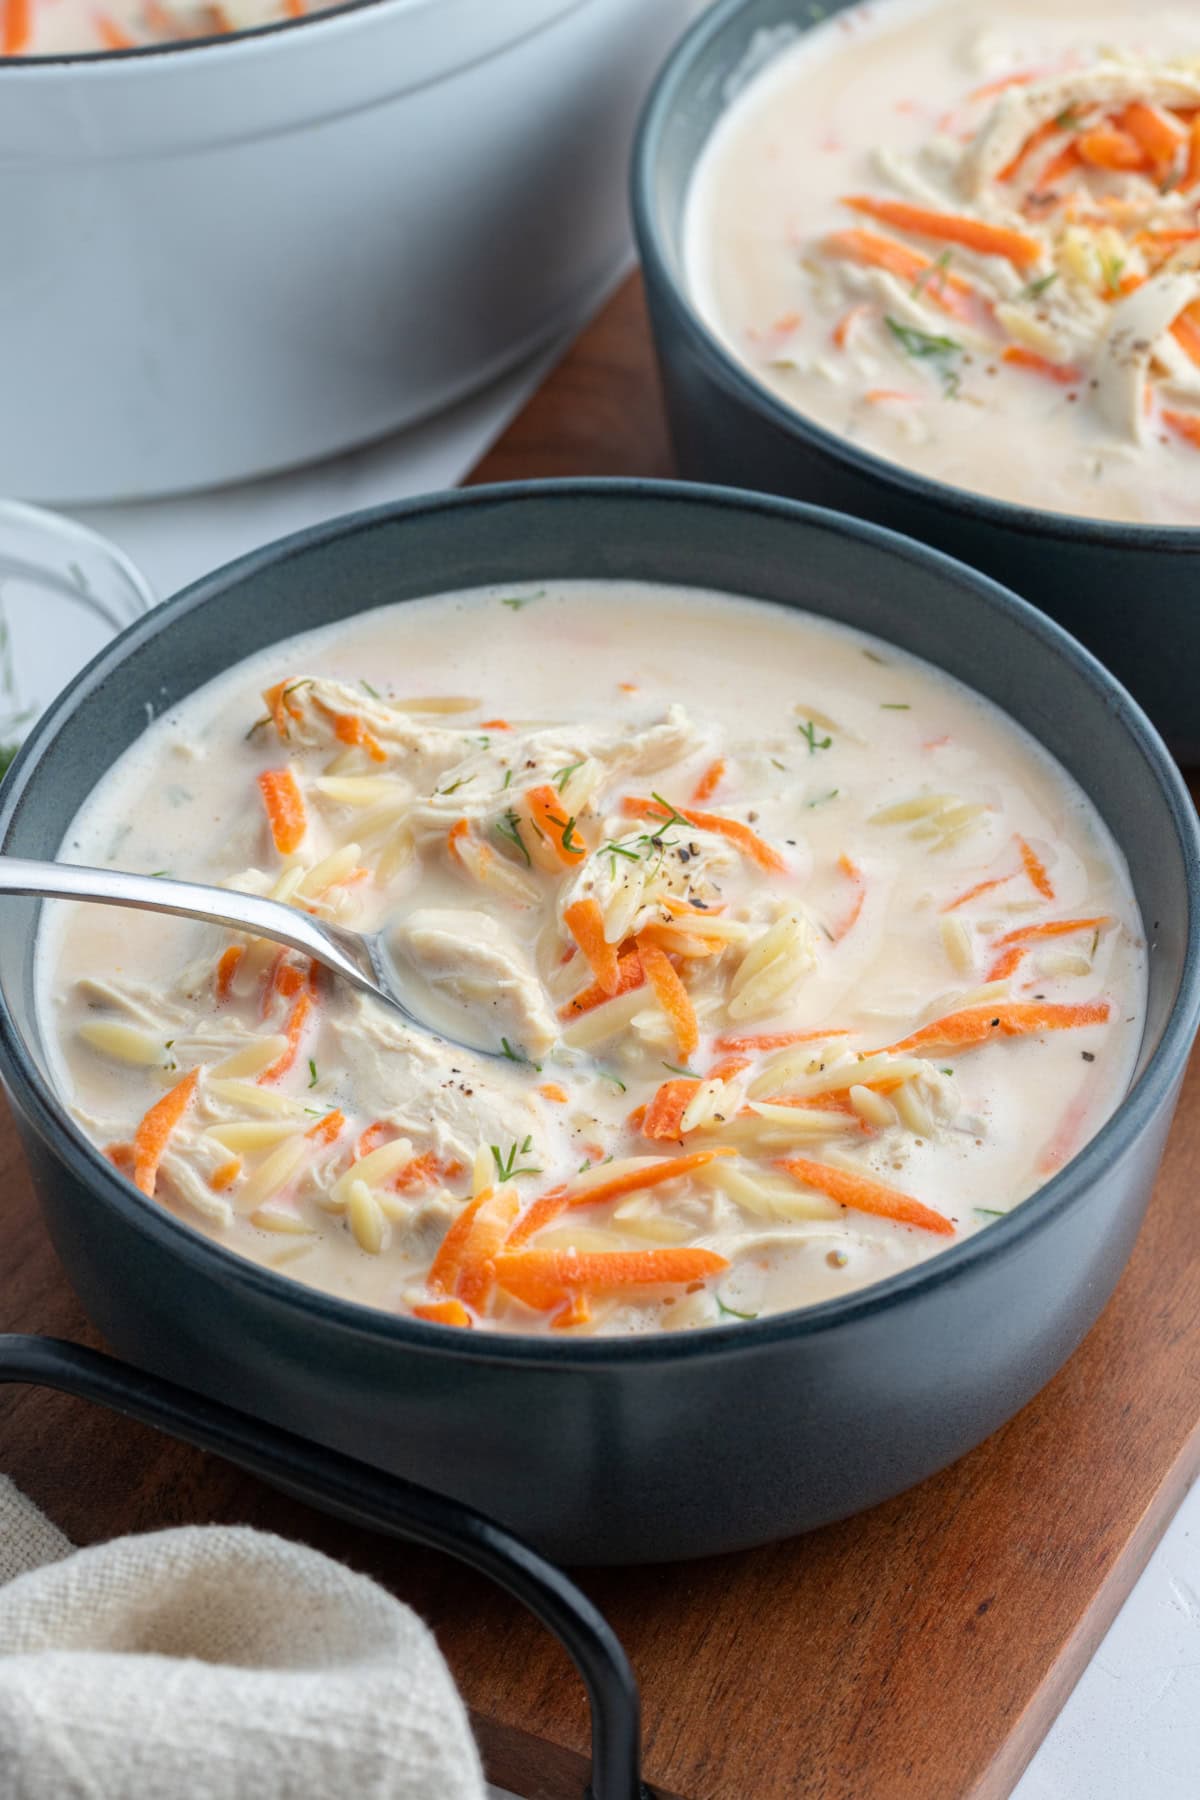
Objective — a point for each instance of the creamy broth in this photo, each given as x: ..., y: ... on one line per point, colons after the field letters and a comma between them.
x: 67, y: 27
x: 967, y: 239
x: 808, y: 962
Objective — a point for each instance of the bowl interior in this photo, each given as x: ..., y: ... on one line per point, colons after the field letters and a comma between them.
x: 773, y: 550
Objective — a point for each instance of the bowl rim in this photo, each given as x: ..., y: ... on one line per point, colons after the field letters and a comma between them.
x: 672, y: 86
x: 41, y: 1108
x: 223, y: 40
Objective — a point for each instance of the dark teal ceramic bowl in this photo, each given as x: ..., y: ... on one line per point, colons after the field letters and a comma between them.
x: 625, y: 1450
x: 1131, y: 593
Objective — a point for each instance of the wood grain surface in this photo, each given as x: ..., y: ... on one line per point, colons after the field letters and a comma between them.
x: 918, y: 1653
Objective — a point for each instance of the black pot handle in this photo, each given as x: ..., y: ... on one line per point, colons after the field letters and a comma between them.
x: 366, y: 1496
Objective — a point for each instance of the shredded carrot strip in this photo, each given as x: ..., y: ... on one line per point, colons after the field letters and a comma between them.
x: 110, y: 33
x: 278, y: 700
x: 121, y: 1157
x: 1055, y: 171
x: 285, y: 809
x: 424, y: 1170
x: 853, y: 874
x: 226, y: 1175
x: 1105, y: 147
x: 585, y: 921
x: 1008, y: 964
x: 550, y: 1205
x: 681, y: 942
x: 663, y: 1118
x: 1191, y: 177
x: 454, y: 836
x: 973, y: 893
x: 998, y: 86
x: 443, y: 1312
x: 495, y: 725
x: 370, y: 1140
x: 227, y: 968
x: 1051, y: 929
x: 670, y: 993
x: 1065, y: 1140
x: 1184, y: 425
x: 297, y: 1019
x: 350, y: 729
x: 1032, y: 144
x: 629, y: 976
x: 1159, y: 135
x: 326, y: 1130
x: 1186, y: 331
x: 976, y: 1024
x: 846, y: 324
x: 545, y: 1278
x: 545, y: 809
x: 1024, y: 358
x: 553, y: 1090
x: 862, y: 1194
x: 152, y: 1135
x: 447, y: 1264
x: 477, y: 1270
x: 18, y: 27
x: 1035, y: 868
x: 294, y: 9
x: 772, y: 1040
x: 747, y: 841
x: 945, y: 289
x: 1016, y: 247
x: 709, y: 782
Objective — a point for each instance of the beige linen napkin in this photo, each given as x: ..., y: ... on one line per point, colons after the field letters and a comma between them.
x: 212, y: 1663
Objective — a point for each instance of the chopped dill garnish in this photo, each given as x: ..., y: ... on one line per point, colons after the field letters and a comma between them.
x: 676, y: 1070
x: 519, y: 1056
x: 731, y: 1312
x: 507, y: 779
x: 506, y: 1166
x: 561, y: 777
x: 926, y: 276
x: 1035, y: 289
x: 509, y: 828
x: 455, y: 785
x: 675, y: 818
x: 1070, y: 119
x: 989, y: 1212
x: 872, y: 656
x: 926, y: 346
x: 367, y: 688
x: 312, y: 1073
x: 567, y: 839
x: 485, y: 742
x: 822, y: 799
x: 808, y: 732
x: 894, y: 706
x: 615, y: 1079
x: 588, y: 1164
x: 1112, y: 268
x: 516, y: 601
x: 7, y: 755
x: 775, y: 763
x: 159, y: 874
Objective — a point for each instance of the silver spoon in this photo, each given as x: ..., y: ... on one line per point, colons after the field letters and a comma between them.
x: 361, y: 958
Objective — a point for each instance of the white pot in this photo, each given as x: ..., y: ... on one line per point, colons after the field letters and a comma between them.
x: 221, y: 259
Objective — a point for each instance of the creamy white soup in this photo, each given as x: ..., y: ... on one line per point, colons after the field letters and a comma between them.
x: 804, y: 961
x: 967, y: 238
x: 66, y: 27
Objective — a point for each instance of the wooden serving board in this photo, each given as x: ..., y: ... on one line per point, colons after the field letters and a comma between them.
x: 918, y: 1653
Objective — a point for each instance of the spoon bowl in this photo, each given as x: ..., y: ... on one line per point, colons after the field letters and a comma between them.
x: 361, y: 958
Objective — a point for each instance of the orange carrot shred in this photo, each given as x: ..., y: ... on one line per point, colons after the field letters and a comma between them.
x: 772, y: 1040
x: 1004, y: 1018
x: 121, y: 1157
x: 854, y: 875
x: 477, y: 1269
x: 862, y: 1194
x: 227, y: 968
x: 545, y: 809
x: 1191, y: 176
x: 585, y: 921
x: 1105, y: 147
x: 152, y: 1135
x: 454, y: 837
x: 350, y: 729
x: 546, y: 1278
x: 18, y: 27
x: 111, y: 35
x: 226, y: 1175
x: 495, y: 725
x: 670, y: 993
x: 663, y: 1117
x: 1016, y: 247
x: 709, y: 782
x: 285, y: 809
x: 1035, y: 868
x: 1184, y: 425
x: 297, y: 1019
x: 633, y: 1181
x: 1066, y: 374
x: 327, y: 1129
x: 444, y: 1271
x: 973, y: 893
x: 1159, y: 135
x: 443, y: 1312
x: 1032, y: 144
x: 747, y: 841
x: 629, y: 976
x: 553, y: 1090
x: 945, y: 289
x: 847, y: 322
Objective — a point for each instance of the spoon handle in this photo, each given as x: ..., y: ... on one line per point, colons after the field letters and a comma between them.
x: 348, y: 956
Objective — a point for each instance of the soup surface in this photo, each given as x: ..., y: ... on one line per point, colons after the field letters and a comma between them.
x: 68, y: 27
x: 968, y: 239
x: 804, y: 961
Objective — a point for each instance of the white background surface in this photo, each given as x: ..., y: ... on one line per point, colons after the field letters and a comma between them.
x: 1131, y: 1730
